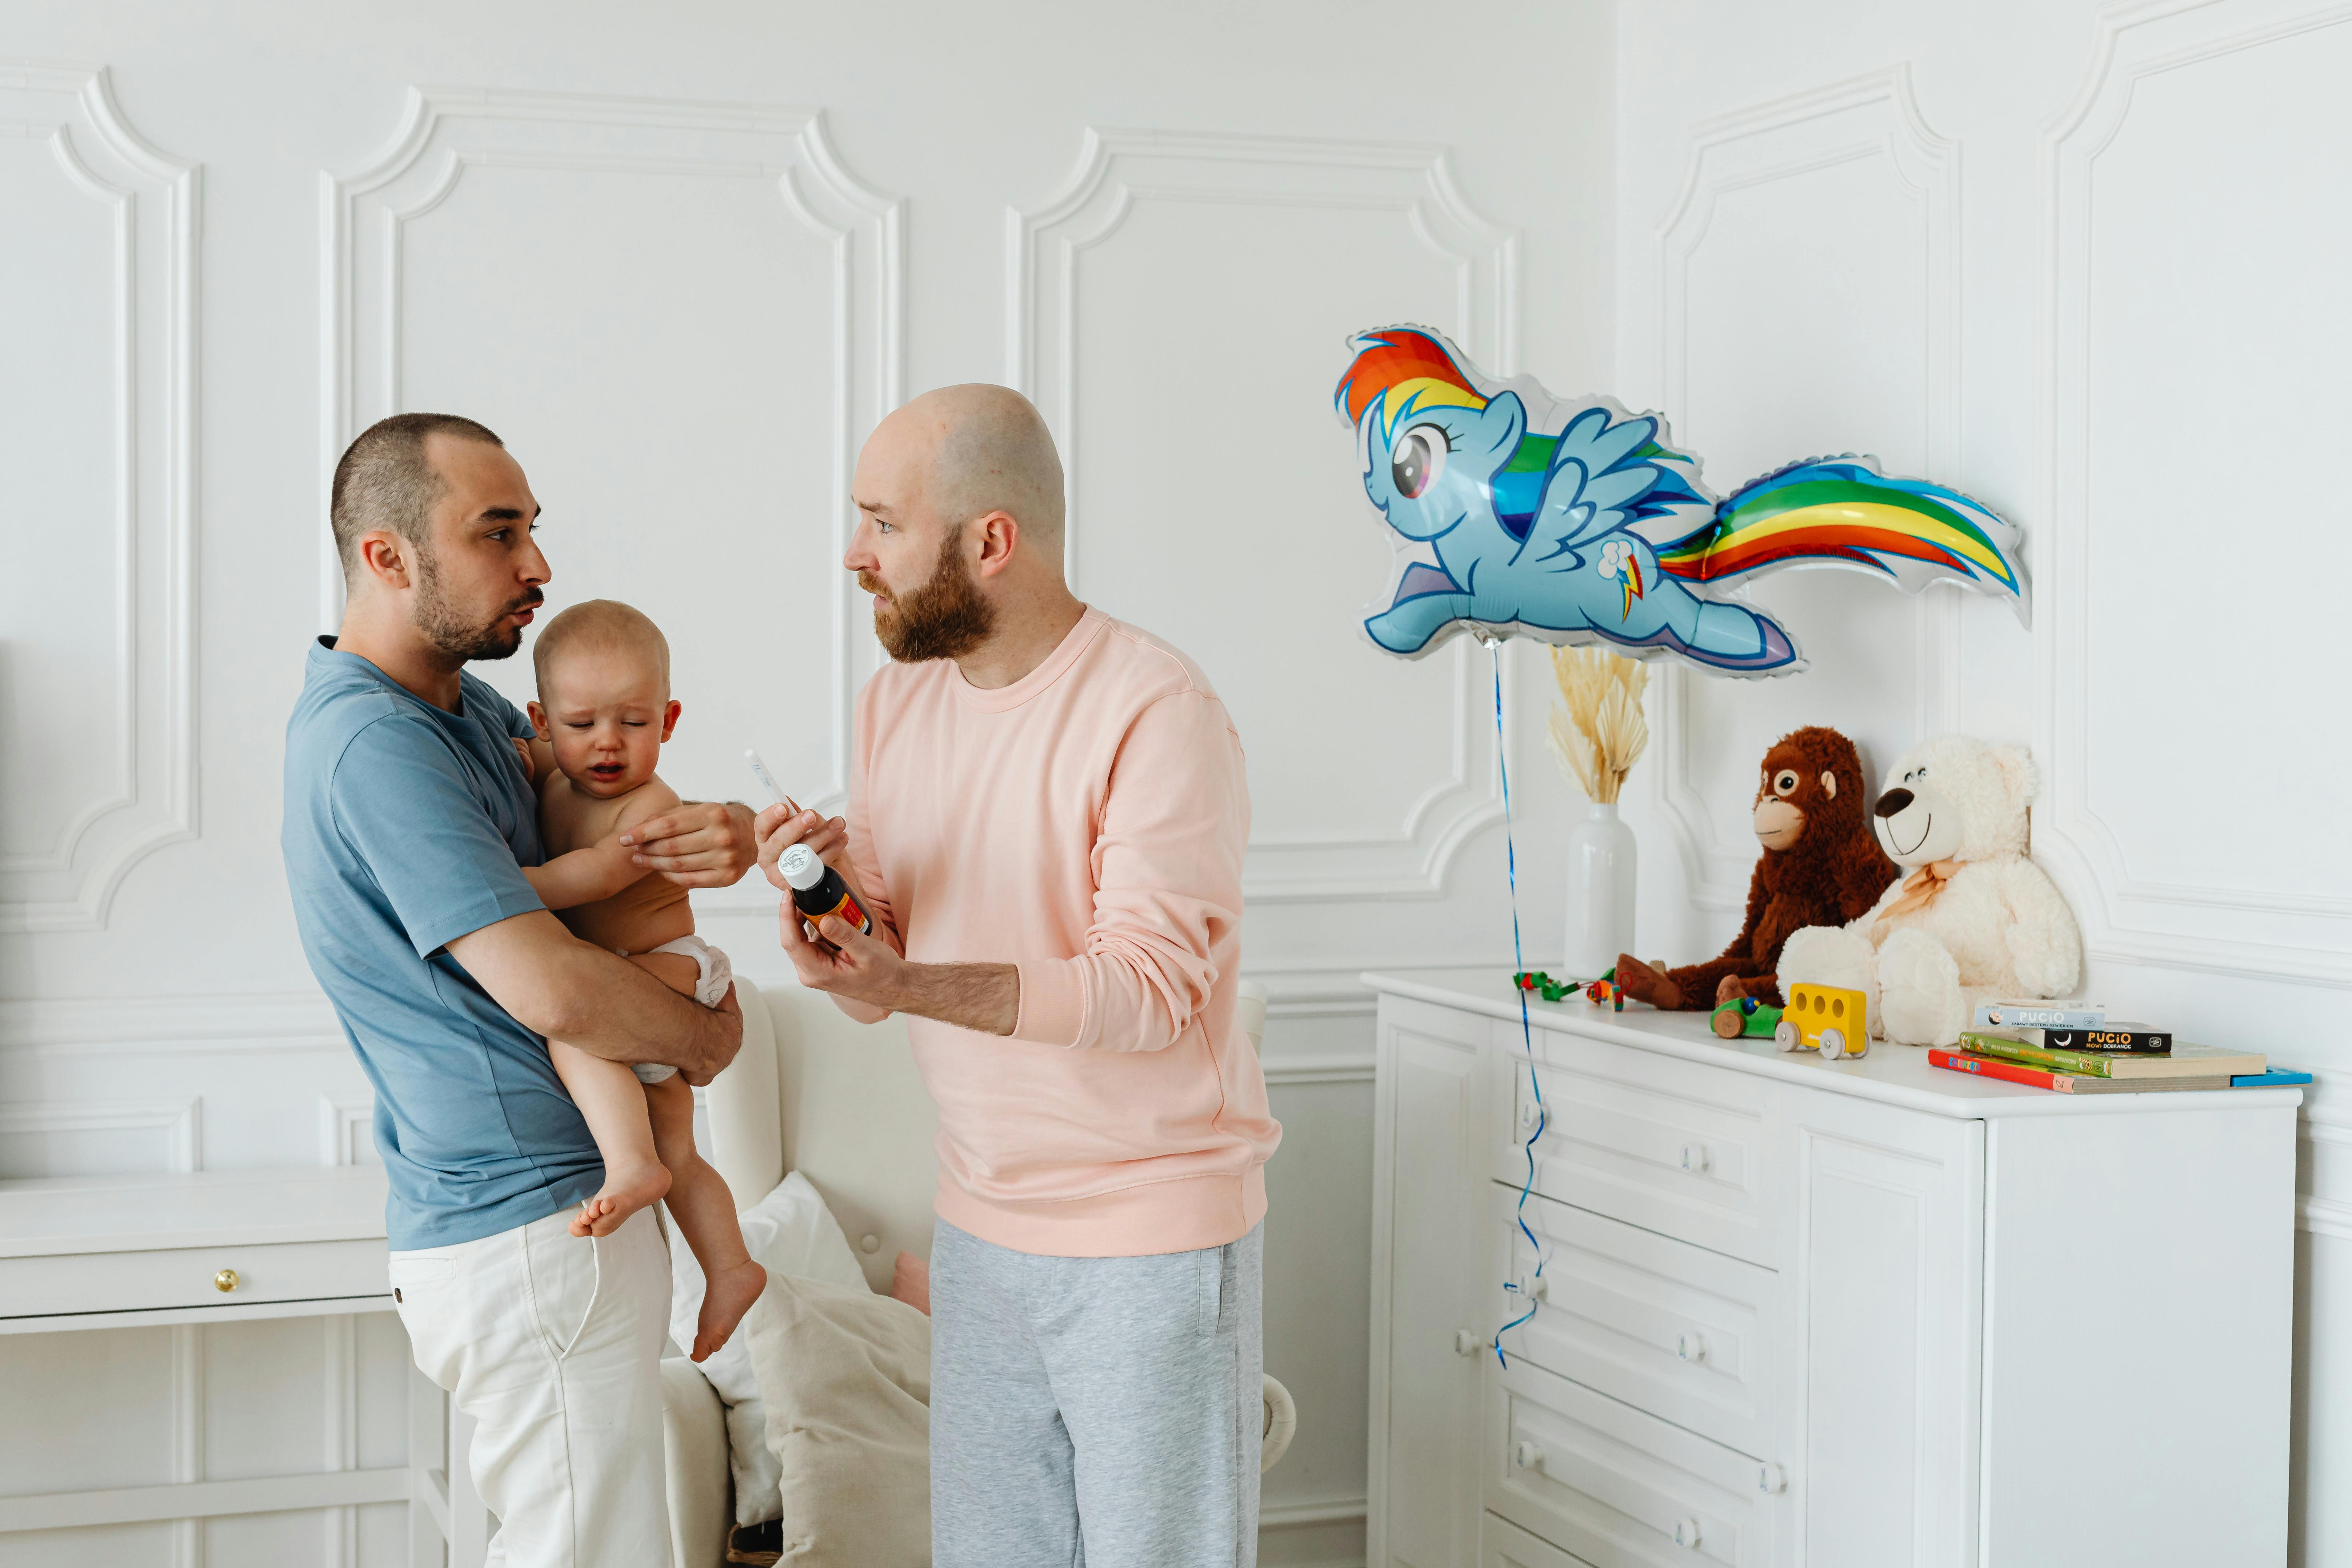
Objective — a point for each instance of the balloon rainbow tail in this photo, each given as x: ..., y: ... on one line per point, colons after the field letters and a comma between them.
x: 1843, y: 510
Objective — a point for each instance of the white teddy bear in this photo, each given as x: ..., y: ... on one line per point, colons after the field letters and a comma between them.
x: 1974, y: 921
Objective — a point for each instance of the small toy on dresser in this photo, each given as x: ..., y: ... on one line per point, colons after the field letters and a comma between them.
x: 1601, y: 992
x: 1745, y: 1018
x: 1824, y: 1018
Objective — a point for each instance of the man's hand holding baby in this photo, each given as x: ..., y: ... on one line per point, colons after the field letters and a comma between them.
x: 698, y: 843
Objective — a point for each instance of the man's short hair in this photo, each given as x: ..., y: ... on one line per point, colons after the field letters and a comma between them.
x: 384, y: 480
x: 600, y: 626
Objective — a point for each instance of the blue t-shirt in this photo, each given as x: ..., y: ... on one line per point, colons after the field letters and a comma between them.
x: 406, y: 827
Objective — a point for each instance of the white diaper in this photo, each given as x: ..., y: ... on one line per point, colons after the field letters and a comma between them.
x: 709, y: 988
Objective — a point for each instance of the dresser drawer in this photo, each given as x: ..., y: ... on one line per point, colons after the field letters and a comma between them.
x: 1618, y: 1488
x: 128, y: 1281
x: 1669, y: 1327
x: 1502, y: 1544
x: 1668, y: 1145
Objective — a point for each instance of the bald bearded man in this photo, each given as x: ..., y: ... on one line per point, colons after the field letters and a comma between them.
x: 1047, y: 814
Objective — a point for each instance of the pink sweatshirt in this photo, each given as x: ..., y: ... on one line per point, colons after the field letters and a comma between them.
x: 1086, y: 823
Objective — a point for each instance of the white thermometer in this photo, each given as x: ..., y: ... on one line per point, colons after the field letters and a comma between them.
x: 768, y: 780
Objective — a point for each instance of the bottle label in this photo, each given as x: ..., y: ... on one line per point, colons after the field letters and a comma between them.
x: 848, y: 909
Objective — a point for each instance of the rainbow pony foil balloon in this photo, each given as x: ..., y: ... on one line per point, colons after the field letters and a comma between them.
x: 1582, y: 523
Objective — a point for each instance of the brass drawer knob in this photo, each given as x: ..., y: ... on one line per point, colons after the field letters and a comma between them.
x: 225, y: 1280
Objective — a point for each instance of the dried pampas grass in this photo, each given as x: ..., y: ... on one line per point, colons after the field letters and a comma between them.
x: 1602, y: 731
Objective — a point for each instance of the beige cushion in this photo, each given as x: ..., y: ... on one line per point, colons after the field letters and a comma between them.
x: 847, y: 1376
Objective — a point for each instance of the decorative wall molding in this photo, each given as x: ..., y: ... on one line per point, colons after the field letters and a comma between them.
x: 1866, y: 119
x: 171, y: 1026
x: 2225, y: 930
x: 1119, y: 169
x: 150, y: 598
x: 446, y: 131
x: 177, y: 1125
x: 346, y: 1128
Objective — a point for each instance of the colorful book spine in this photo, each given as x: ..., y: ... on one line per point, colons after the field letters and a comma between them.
x: 2008, y: 1072
x: 2080, y: 1064
x: 2040, y: 1014
x: 2277, y: 1077
x: 2105, y: 1037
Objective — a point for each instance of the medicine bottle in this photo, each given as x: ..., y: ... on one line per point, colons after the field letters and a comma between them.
x: 818, y: 890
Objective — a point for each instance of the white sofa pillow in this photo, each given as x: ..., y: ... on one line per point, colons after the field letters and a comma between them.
x: 792, y: 1235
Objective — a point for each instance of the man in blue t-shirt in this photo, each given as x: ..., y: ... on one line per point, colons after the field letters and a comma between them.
x: 409, y: 813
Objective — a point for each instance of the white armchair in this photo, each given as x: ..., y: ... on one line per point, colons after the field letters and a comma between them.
x: 842, y: 1104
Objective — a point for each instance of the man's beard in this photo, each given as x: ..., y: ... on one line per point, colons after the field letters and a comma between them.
x: 944, y: 619
x: 448, y: 630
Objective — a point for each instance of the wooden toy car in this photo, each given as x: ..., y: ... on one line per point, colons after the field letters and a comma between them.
x: 1746, y: 1017
x: 1824, y: 1018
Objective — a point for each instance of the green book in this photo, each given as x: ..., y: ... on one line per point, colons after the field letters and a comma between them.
x: 2181, y: 1061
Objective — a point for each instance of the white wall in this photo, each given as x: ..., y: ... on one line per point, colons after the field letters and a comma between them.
x: 682, y: 258
x: 2083, y: 264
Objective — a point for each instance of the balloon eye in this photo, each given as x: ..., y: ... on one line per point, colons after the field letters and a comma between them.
x: 1418, y: 460
x: 1786, y: 784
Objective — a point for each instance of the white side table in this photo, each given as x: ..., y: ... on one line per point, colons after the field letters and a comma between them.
x: 216, y: 1247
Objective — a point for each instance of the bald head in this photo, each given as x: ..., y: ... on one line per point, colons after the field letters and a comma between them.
x: 987, y: 451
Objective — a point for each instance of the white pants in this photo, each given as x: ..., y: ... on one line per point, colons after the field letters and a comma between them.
x: 553, y: 1344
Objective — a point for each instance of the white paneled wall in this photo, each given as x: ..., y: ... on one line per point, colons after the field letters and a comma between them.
x: 2079, y: 262
x: 682, y: 260
x: 2074, y: 261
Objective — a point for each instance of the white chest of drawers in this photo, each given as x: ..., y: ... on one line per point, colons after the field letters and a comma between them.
x: 1792, y: 1312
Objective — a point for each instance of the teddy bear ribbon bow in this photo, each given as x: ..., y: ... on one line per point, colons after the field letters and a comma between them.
x: 1920, y: 887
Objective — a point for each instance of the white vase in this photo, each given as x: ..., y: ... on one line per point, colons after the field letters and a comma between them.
x: 1600, y: 865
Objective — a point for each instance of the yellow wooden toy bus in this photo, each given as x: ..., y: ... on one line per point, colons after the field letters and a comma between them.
x: 1823, y: 1018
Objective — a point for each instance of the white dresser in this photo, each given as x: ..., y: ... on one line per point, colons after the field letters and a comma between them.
x: 1845, y: 1314
x: 218, y: 1246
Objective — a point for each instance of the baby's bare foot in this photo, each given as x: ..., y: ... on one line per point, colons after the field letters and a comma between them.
x: 627, y: 1189
x: 728, y: 1294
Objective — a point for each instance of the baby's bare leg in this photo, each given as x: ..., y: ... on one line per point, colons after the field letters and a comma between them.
x: 705, y: 1212
x: 613, y: 1103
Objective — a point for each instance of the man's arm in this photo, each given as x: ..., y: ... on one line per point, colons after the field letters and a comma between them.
x: 869, y: 980
x: 553, y: 982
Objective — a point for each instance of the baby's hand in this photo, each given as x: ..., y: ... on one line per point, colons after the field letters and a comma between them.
x: 522, y: 750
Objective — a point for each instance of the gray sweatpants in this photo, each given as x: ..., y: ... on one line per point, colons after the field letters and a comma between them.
x: 1095, y: 1412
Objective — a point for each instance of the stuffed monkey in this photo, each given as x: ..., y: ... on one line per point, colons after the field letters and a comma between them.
x: 1821, y: 866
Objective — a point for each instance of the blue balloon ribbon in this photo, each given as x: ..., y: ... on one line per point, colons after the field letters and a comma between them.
x: 1527, y: 1031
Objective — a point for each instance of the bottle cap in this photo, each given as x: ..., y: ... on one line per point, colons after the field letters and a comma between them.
x: 801, y: 867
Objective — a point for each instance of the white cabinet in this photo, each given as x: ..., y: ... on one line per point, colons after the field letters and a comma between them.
x: 1434, y: 1320
x: 1845, y: 1315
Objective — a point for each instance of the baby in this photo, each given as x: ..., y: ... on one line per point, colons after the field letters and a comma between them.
x: 604, y: 706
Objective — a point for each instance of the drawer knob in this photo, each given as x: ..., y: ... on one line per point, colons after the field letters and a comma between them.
x: 226, y: 1280
x: 1527, y: 1457
x: 1466, y: 1342
x: 1770, y: 1480
x: 1686, y: 1532
x: 1691, y: 1347
x: 1530, y: 1114
x: 1695, y: 1158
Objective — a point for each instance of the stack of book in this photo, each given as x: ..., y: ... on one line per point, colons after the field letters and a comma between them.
x: 2071, y: 1047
